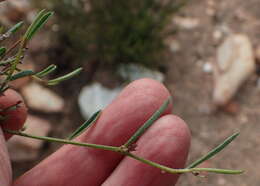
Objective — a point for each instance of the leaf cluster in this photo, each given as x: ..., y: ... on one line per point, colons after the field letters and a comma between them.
x: 12, y: 56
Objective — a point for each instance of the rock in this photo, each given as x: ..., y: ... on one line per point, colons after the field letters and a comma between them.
x: 24, y: 149
x: 95, y: 97
x: 186, y: 23
x: 217, y: 35
x: 207, y: 67
x: 173, y: 44
x: 40, y: 98
x: 235, y: 63
x: 133, y: 72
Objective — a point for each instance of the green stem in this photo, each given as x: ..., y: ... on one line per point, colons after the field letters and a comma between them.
x: 57, y: 140
x: 179, y: 171
x: 126, y: 153
x: 214, y: 151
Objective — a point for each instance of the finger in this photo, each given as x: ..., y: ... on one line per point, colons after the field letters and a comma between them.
x: 5, y: 166
x: 80, y: 166
x: 13, y: 111
x: 166, y: 142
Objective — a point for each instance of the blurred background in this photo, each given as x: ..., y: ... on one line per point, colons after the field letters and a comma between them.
x: 206, y: 52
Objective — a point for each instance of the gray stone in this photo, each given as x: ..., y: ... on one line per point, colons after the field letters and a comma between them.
x: 95, y: 97
x: 133, y: 72
x: 235, y: 63
x: 207, y: 67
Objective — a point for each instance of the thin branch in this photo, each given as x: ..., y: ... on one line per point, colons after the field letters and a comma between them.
x: 126, y: 153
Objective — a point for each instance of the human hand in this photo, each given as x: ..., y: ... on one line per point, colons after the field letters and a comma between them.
x: 166, y: 142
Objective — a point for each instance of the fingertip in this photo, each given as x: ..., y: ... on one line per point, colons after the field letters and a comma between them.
x: 147, y: 90
x: 166, y: 142
x: 171, y: 133
x: 13, y: 118
x: 148, y: 85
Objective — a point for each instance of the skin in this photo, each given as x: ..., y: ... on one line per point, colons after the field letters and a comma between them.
x: 166, y: 142
x: 15, y: 118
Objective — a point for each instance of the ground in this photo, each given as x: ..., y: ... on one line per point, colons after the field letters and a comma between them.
x: 192, y: 89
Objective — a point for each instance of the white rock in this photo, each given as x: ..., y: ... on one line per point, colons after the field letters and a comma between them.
x: 133, y: 72
x: 22, y: 148
x: 173, y: 44
x: 235, y: 63
x: 40, y: 98
x: 207, y: 67
x: 217, y: 35
x: 95, y: 97
x: 187, y: 23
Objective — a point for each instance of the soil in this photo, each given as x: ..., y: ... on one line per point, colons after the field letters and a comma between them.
x: 192, y: 88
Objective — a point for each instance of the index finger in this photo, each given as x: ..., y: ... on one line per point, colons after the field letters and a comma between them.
x: 81, y: 166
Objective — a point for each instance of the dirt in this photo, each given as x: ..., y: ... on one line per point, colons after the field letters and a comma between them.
x: 192, y: 88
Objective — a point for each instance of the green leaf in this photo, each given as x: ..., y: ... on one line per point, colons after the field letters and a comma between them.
x: 46, y: 71
x: 22, y: 74
x: 39, y: 21
x: 2, y: 51
x: 214, y: 151
x: 65, y: 77
x: 219, y: 171
x: 15, y: 28
x: 147, y: 124
x: 7, y: 61
x: 85, y: 125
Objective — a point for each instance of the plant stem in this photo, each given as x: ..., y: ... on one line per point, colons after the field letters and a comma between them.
x: 58, y: 140
x: 186, y: 170
x: 214, y: 151
x: 126, y: 153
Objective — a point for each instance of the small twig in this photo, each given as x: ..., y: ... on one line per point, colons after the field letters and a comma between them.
x: 13, y: 47
x: 57, y: 140
x: 126, y: 153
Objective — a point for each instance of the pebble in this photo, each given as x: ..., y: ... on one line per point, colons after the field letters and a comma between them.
x: 235, y: 64
x: 133, y: 72
x: 95, y: 97
x: 217, y: 35
x: 186, y: 23
x: 207, y: 67
x: 40, y: 98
